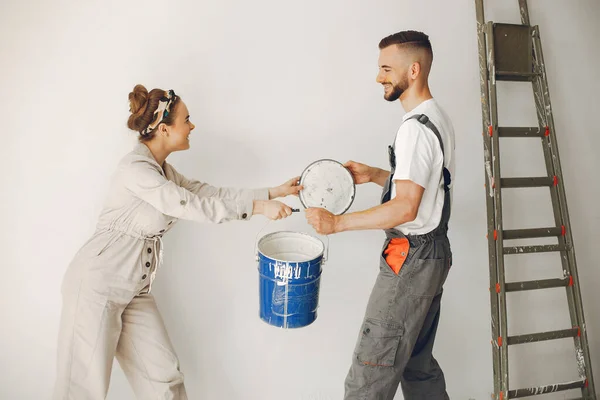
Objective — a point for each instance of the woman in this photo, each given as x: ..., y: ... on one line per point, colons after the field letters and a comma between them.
x: 108, y: 309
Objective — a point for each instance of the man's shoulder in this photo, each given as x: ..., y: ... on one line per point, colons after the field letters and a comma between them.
x: 411, y: 127
x: 435, y: 110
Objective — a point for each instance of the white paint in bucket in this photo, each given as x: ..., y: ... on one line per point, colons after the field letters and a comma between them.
x: 290, y: 247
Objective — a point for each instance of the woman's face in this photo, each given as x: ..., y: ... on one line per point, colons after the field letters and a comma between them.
x: 178, y: 134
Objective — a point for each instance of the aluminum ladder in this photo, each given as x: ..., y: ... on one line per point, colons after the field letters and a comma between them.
x: 513, y: 52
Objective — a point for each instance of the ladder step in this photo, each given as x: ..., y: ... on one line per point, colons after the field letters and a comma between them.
x: 526, y: 182
x: 520, y: 132
x: 512, y: 76
x: 532, y: 233
x: 540, y: 337
x: 559, y: 387
x: 534, y: 249
x: 534, y: 285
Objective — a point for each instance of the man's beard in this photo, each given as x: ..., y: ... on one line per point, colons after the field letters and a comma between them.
x: 396, y: 92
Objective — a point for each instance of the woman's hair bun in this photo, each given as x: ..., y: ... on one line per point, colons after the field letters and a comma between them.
x: 138, y: 99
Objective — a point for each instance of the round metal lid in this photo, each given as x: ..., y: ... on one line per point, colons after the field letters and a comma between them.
x: 329, y: 185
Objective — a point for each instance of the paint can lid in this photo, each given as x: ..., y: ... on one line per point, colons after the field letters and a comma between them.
x: 329, y: 185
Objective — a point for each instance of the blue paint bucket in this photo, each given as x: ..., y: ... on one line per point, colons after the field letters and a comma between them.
x: 289, y: 266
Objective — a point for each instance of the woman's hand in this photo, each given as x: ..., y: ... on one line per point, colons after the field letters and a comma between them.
x: 272, y: 209
x: 291, y: 187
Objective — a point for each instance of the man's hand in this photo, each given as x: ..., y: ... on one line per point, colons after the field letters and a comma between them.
x: 321, y: 220
x: 360, y: 172
x: 363, y: 173
x: 291, y: 187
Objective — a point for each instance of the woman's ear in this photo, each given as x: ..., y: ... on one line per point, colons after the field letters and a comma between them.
x: 163, y: 130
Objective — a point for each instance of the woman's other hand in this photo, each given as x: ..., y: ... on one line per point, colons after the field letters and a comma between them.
x: 291, y: 187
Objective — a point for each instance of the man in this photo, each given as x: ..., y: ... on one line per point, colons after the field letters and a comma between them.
x: 397, y: 335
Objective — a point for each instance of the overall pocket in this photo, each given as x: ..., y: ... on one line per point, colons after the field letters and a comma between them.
x: 428, y: 276
x: 378, y: 343
x: 396, y: 253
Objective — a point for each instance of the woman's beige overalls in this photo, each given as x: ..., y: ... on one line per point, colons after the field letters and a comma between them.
x: 108, y: 310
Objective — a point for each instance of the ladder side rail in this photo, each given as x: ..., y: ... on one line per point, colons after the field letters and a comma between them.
x: 574, y: 291
x: 497, y: 190
x: 489, y: 199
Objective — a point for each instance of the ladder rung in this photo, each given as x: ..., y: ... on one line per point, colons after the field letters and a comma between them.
x: 531, y: 233
x: 515, y: 76
x: 534, y: 249
x: 520, y: 132
x: 540, y: 337
x: 526, y: 182
x: 533, y: 285
x: 559, y: 387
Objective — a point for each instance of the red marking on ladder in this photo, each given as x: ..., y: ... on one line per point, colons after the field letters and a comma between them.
x: 578, y: 331
x: 586, y: 383
x: 491, y: 130
x: 571, y: 281
x: 563, y: 230
x: 547, y: 133
x: 495, y: 234
x: 497, y: 288
x: 501, y: 395
x: 555, y: 180
x: 499, y: 341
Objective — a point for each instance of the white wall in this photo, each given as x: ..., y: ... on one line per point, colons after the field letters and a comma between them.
x: 273, y: 86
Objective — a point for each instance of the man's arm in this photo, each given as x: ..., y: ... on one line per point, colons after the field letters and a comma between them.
x: 380, y: 176
x: 401, y: 209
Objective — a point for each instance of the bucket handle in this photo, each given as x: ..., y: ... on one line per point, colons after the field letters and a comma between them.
x: 256, y: 240
x: 325, y: 256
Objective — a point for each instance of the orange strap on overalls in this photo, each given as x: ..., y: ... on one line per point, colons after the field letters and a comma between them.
x: 396, y: 253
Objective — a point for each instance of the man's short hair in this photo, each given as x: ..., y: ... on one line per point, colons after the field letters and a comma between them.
x: 408, y: 39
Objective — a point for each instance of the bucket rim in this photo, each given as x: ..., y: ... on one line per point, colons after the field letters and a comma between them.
x: 311, y: 237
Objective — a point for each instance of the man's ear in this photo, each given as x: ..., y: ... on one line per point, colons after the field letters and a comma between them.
x: 415, y: 70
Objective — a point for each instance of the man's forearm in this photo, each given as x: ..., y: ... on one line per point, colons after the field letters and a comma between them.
x: 384, y: 216
x: 379, y: 176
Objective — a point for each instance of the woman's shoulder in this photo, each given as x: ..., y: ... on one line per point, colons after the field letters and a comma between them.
x: 138, y: 160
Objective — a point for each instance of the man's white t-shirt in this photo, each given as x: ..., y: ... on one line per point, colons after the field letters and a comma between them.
x: 419, y: 159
